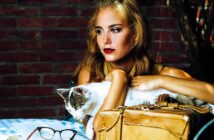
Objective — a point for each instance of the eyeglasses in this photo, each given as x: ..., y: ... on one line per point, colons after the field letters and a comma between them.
x: 48, y: 133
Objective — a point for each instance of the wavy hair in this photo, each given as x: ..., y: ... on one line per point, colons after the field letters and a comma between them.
x: 132, y: 14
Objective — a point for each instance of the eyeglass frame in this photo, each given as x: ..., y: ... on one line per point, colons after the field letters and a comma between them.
x: 60, y: 131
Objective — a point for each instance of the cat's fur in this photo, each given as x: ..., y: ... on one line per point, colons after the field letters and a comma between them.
x: 87, y: 99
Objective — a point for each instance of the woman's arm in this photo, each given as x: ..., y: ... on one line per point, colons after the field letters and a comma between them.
x: 117, y: 93
x: 177, y: 81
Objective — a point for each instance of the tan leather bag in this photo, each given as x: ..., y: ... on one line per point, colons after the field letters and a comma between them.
x: 164, y: 121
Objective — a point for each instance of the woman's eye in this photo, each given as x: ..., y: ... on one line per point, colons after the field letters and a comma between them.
x: 98, y: 32
x: 115, y: 30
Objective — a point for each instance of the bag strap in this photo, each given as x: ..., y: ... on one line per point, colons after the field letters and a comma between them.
x: 165, y: 104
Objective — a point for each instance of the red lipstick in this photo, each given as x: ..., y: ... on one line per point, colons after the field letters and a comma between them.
x: 108, y: 50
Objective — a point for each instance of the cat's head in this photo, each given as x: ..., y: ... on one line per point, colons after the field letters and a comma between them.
x: 76, y: 96
x: 77, y: 100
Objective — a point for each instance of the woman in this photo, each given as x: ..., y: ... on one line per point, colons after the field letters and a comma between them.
x: 117, y: 52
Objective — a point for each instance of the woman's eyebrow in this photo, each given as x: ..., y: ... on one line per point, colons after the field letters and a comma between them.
x: 98, y: 27
x: 113, y: 25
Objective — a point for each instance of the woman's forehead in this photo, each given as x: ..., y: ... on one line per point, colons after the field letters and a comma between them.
x: 109, y: 15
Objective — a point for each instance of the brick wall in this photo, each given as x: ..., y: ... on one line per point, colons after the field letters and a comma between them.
x: 42, y: 42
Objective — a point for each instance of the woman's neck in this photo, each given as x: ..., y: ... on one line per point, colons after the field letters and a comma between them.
x: 123, y: 65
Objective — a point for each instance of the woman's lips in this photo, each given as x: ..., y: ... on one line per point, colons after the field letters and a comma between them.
x: 108, y: 50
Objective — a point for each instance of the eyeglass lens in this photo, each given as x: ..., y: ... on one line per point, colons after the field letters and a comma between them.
x: 67, y: 134
x: 48, y: 133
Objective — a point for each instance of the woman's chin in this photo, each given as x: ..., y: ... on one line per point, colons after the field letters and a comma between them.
x: 110, y: 60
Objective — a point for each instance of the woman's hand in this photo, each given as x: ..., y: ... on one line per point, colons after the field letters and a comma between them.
x: 145, y: 83
x: 152, y: 82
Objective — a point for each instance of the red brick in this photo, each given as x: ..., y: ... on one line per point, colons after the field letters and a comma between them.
x: 35, y: 91
x: 8, y: 69
x: 50, y: 101
x: 82, y: 34
x: 8, y: 34
x: 63, y: 2
x: 20, y: 80
x: 57, y: 79
x: 59, y: 11
x: 73, y: 45
x: 163, y: 46
x: 65, y: 68
x: 12, y: 34
x: 38, y: 46
x: 162, y: 23
x: 62, y: 111
x: 50, y: 45
x: 160, y: 11
x: 37, y: 22
x: 87, y: 12
x: 18, y: 102
x: 7, y: 92
x: 169, y: 46
x: 165, y: 36
x: 7, y: 22
x: 18, y: 57
x: 58, y: 56
x: 32, y: 35
x: 8, y: 45
x: 37, y: 113
x: 73, y: 22
x: 36, y: 68
x: 19, y: 11
x: 25, y: 11
x: 36, y: 1
x: 81, y: 56
x: 171, y: 58
x: 29, y: 45
x: 8, y: 113
x: 8, y: 1
x: 82, y: 1
x: 59, y: 34
x: 147, y: 3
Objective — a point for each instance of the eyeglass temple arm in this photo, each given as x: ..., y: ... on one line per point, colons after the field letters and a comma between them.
x: 73, y: 135
x: 31, y: 134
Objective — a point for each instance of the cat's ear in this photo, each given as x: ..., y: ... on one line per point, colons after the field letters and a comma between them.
x: 63, y: 92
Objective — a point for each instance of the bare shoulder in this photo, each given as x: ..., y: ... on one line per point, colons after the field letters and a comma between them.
x: 175, y: 72
x: 84, y: 75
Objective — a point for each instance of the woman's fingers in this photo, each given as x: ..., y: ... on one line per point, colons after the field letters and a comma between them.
x: 145, y: 82
x: 136, y: 81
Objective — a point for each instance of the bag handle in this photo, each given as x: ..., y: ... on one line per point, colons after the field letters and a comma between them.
x: 110, y: 124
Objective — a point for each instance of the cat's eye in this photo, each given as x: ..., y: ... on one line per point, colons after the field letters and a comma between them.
x: 78, y: 98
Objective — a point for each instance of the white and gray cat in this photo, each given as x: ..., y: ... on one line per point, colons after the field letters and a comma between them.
x: 87, y: 99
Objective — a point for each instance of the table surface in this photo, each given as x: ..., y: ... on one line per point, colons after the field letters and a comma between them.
x: 10, y: 127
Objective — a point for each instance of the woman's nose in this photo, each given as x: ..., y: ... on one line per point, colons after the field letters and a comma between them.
x: 106, y: 38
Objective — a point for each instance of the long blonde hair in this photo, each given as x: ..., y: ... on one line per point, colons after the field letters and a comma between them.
x: 132, y: 13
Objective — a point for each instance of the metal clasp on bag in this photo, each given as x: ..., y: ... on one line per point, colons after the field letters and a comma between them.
x: 148, y: 106
x: 145, y: 108
x: 121, y: 108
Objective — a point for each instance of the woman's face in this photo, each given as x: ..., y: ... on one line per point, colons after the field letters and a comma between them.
x: 114, y: 35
